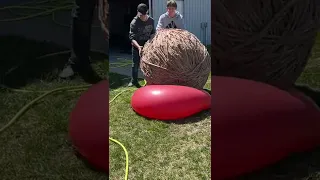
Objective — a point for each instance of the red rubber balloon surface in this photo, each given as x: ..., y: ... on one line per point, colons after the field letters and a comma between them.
x: 254, y: 125
x: 169, y: 102
x: 89, y: 126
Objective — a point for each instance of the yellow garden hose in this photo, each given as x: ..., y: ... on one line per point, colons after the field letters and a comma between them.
x: 70, y: 89
x: 127, y: 156
x: 31, y: 103
x: 73, y: 89
x: 47, y: 8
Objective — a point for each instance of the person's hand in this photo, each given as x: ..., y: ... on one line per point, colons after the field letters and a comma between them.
x: 140, y: 50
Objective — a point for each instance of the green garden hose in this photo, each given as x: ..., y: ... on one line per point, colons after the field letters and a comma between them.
x: 73, y: 89
x: 46, y: 8
x: 70, y: 89
x: 31, y: 103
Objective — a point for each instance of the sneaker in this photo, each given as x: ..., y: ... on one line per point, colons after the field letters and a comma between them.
x: 89, y: 75
x: 134, y: 83
x: 67, y: 72
x: 130, y: 84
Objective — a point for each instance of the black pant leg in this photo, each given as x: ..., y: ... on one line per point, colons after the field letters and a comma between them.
x: 135, y: 63
x: 82, y: 16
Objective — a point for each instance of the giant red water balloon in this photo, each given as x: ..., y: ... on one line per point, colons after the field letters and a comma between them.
x: 255, y: 125
x: 89, y: 126
x: 169, y: 102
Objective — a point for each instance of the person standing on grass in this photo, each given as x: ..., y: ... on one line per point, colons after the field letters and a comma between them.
x: 79, y: 61
x: 172, y: 18
x: 141, y: 30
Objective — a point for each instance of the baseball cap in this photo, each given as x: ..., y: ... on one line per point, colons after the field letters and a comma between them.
x: 142, y: 8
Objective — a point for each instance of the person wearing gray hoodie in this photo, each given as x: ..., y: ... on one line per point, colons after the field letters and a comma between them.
x: 172, y: 18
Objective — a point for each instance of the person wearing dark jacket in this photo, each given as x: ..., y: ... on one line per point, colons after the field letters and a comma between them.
x: 141, y: 30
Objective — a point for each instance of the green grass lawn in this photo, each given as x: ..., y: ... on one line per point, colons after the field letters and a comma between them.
x: 36, y: 147
x: 157, y: 150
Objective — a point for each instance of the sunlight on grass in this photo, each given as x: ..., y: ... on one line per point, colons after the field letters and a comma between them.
x: 311, y: 74
x: 36, y: 146
x: 158, y: 150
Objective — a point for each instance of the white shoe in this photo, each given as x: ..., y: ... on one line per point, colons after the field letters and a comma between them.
x: 66, y: 72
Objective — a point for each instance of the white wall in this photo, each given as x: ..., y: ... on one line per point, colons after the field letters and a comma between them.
x: 194, y: 12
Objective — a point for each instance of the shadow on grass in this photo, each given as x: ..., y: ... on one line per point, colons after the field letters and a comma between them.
x: 192, y: 119
x: 88, y: 164
x: 85, y: 162
x: 20, y: 63
x: 117, y: 80
x: 299, y: 166
x: 314, y: 94
x: 189, y: 120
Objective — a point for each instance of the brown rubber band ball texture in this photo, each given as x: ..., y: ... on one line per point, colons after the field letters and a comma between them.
x: 263, y: 40
x: 175, y: 57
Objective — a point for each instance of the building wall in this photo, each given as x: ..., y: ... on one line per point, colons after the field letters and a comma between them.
x: 194, y: 12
